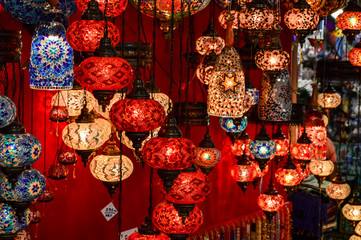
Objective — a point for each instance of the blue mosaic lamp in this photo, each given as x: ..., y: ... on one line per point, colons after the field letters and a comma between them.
x: 10, y: 223
x: 30, y: 11
x: 233, y: 126
x: 51, y: 57
x: 30, y: 185
x: 7, y: 111
x: 262, y: 148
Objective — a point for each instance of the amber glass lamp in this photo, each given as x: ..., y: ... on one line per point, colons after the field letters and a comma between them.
x: 301, y: 19
x: 321, y: 169
x: 329, y: 99
x: 338, y: 189
x: 241, y: 144
x: 352, y: 210
x: 358, y: 228
x: 349, y: 21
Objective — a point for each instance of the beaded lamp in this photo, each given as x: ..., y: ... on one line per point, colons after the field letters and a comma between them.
x: 166, y: 218
x: 352, y: 210
x: 226, y: 91
x: 85, y: 35
x: 243, y: 171
x: 7, y: 111
x: 329, y: 99
x: 262, y: 147
x: 338, y: 189
x: 207, y: 155
x: 349, y: 21
x: 85, y: 135
x: 106, y: 167
x: 301, y: 19
x: 51, y: 57
x: 114, y: 7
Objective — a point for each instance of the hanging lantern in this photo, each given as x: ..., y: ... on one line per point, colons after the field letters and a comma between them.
x: 116, y: 97
x: 270, y: 201
x: 10, y: 223
x: 7, y: 111
x: 301, y: 19
x: 66, y: 155
x: 358, y: 229
x: 105, y: 72
x: 48, y: 194
x: 226, y: 91
x: 257, y: 18
x: 17, y: 150
x: 137, y: 114
x: 352, y: 210
x: 106, y: 167
x: 58, y: 114
x: 114, y: 7
x: 355, y: 237
x: 262, y: 148
x: 329, y: 99
x: 321, y: 169
x: 302, y: 150
x: 338, y: 189
x: 86, y: 134
x: 166, y: 218
x: 241, y: 145
x: 282, y: 144
x: 182, y: 10
x: 169, y: 151
x: 74, y: 100
x: 231, y: 129
x: 258, y: 173
x: 243, y: 172
x: 28, y: 187
x: 354, y: 56
x: 85, y: 35
x: 207, y: 155
x: 51, y: 57
x: 57, y: 171
x: 275, y: 102
x: 349, y: 21
x: 210, y: 42
x: 288, y: 175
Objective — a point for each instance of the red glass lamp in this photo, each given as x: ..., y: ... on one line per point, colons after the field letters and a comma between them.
x: 270, y: 201
x: 166, y: 218
x: 301, y: 19
x: 282, y: 144
x: 243, y: 172
x: 288, y: 175
x: 85, y: 35
x: 241, y: 145
x: 354, y: 56
x: 142, y: 236
x: 302, y: 150
x: 349, y: 21
x: 58, y: 114
x: 258, y: 173
x: 114, y: 7
x: 207, y: 155
x: 210, y: 42
x: 137, y: 114
x: 67, y: 155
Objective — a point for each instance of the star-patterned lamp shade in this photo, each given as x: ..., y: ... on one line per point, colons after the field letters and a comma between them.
x: 241, y: 144
x: 104, y: 73
x: 19, y: 150
x: 51, y: 57
x: 338, y: 189
x: 29, y: 186
x: 189, y: 188
x: 275, y: 101
x: 137, y: 115
x: 169, y: 153
x: 301, y: 19
x: 106, y: 168
x: 114, y: 7
x: 30, y: 11
x: 73, y: 100
x: 321, y: 168
x: 85, y: 35
x: 9, y: 222
x: 228, y: 125
x: 225, y: 15
x: 349, y: 21
x: 139, y: 236
x: 166, y: 218
x: 354, y: 56
x: 270, y: 201
x: 7, y: 111
x: 352, y: 210
x: 226, y: 91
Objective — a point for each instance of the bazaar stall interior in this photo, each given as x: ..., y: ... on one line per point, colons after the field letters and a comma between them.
x: 172, y: 119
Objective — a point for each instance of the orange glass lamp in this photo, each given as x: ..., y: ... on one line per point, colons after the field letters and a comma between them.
x: 352, y: 210
x: 358, y: 229
x: 288, y: 175
x: 210, y: 42
x: 355, y: 237
x: 349, y: 21
x: 301, y: 19
x: 354, y: 56
x: 282, y: 145
x: 241, y: 145
x: 270, y: 201
x: 243, y: 172
x: 302, y: 150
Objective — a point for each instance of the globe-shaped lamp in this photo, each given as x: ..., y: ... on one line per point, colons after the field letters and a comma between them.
x: 7, y: 111
x: 114, y: 7
x: 288, y: 175
x: 352, y: 210
x: 354, y: 56
x: 349, y: 21
x: 329, y: 99
x: 243, y: 172
x: 210, y: 42
x: 241, y: 144
x: 270, y: 201
x: 338, y: 189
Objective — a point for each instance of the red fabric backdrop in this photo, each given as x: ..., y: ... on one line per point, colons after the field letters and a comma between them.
x: 75, y: 212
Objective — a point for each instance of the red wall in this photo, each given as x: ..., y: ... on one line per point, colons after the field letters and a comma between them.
x: 75, y: 212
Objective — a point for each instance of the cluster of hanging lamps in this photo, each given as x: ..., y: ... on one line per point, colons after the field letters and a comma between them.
x: 349, y: 21
x: 301, y: 19
x: 85, y: 35
x: 207, y: 155
x: 51, y: 57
